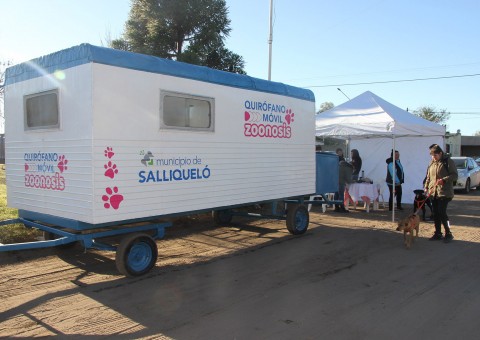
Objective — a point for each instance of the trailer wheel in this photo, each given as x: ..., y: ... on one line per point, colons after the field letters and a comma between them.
x: 51, y: 236
x: 297, y: 219
x: 221, y: 217
x: 136, y: 254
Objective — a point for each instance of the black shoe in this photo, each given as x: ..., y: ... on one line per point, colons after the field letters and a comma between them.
x: 400, y: 208
x: 448, y: 238
x: 436, y: 237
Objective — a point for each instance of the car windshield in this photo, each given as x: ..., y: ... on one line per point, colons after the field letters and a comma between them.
x: 460, y: 163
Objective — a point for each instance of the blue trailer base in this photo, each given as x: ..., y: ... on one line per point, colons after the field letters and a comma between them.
x: 87, y: 240
x: 135, y: 255
x: 137, y: 251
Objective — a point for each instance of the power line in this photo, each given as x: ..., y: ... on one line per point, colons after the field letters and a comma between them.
x: 380, y: 72
x: 396, y: 81
x: 455, y: 113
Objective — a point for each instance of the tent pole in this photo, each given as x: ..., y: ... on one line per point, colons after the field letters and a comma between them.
x: 394, y: 168
x: 347, y: 151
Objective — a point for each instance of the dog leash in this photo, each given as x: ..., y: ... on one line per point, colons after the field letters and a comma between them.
x: 423, y: 203
x: 428, y: 196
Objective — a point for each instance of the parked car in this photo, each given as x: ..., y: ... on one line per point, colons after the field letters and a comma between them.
x: 468, y: 173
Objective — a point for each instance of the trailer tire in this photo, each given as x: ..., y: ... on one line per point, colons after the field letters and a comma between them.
x: 297, y: 218
x: 48, y: 236
x: 136, y: 254
x: 222, y: 217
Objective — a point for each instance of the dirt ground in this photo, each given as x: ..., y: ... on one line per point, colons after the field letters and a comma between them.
x: 348, y: 277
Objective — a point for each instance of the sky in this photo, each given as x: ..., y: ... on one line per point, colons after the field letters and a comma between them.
x: 382, y: 46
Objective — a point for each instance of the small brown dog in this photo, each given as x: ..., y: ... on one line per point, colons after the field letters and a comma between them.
x: 408, y: 225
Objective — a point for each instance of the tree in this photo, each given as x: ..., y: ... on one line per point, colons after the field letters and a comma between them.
x: 3, y: 65
x: 2, y: 91
x: 325, y: 106
x: 432, y: 114
x: 192, y: 31
x: 477, y: 133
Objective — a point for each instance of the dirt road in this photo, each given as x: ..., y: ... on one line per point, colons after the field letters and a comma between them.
x: 348, y: 277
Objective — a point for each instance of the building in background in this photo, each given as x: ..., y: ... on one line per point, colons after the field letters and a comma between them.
x: 453, y: 143
x: 470, y: 146
x: 458, y: 145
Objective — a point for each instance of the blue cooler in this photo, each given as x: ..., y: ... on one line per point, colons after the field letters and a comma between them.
x: 326, y: 172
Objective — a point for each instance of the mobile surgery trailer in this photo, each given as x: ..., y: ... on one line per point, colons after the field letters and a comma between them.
x: 97, y: 137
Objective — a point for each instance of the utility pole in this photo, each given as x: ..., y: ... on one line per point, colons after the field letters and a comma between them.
x: 270, y: 40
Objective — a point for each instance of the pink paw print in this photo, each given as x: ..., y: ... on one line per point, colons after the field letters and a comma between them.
x: 112, y: 198
x: 62, y: 163
x: 289, y: 116
x: 109, y: 152
x: 111, y: 169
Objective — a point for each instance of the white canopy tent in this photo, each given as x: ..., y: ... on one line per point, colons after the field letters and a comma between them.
x: 375, y: 127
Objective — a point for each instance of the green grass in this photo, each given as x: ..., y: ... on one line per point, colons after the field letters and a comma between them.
x: 12, y: 233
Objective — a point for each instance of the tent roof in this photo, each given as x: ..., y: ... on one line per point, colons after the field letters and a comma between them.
x: 368, y: 115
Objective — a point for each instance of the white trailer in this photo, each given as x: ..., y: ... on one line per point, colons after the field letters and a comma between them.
x: 98, y: 137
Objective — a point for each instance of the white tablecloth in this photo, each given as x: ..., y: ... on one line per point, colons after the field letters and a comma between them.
x: 365, y: 191
x: 362, y: 191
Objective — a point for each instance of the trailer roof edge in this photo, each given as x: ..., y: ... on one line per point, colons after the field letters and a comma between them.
x: 86, y: 53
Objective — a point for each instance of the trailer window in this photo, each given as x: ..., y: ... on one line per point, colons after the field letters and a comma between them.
x: 186, y: 111
x: 41, y: 110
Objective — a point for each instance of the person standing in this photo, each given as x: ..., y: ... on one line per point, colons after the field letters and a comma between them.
x: 356, y: 164
x: 441, y: 173
x: 344, y: 178
x: 399, y: 175
x: 339, y: 153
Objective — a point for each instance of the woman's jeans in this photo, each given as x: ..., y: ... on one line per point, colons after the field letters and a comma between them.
x: 398, y: 193
x: 440, y: 214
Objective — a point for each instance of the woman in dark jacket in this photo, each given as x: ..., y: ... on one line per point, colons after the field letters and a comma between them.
x: 344, y: 178
x: 441, y: 173
x: 356, y: 163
